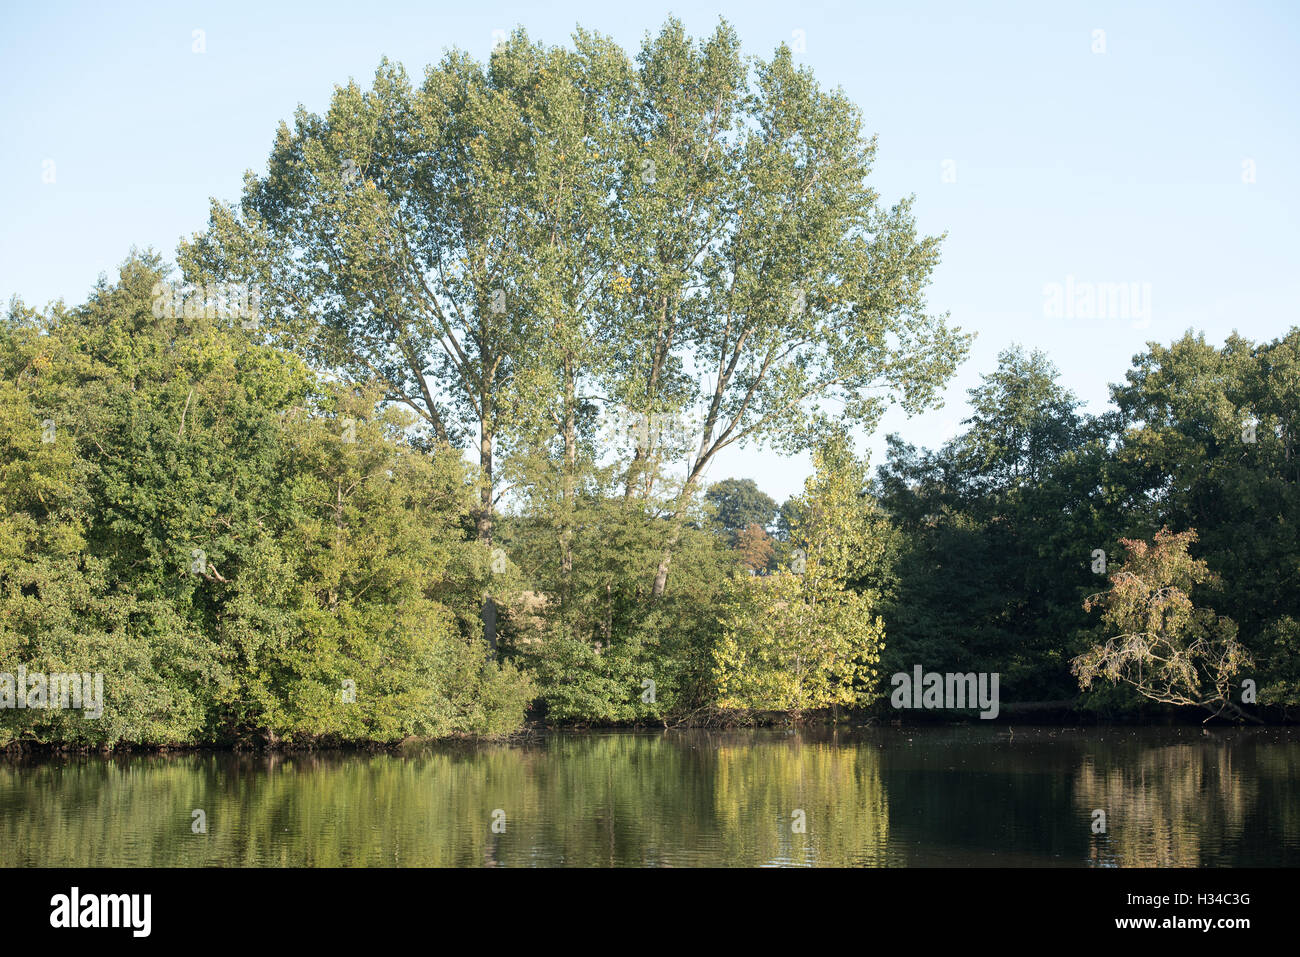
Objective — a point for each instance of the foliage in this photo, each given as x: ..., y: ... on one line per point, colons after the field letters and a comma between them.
x: 1164, y: 646
x: 998, y: 527
x: 593, y: 273
x: 227, y: 539
x: 511, y: 246
x: 738, y: 504
x: 802, y: 639
x: 1209, y: 442
x: 755, y: 549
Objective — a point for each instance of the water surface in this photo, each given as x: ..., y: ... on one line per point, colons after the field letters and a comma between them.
x: 966, y: 796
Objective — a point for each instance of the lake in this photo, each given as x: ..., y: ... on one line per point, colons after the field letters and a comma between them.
x: 869, y: 797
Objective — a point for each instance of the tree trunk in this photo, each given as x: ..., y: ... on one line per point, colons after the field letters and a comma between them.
x: 570, y: 491
x: 1232, y: 708
x: 661, y: 576
x: 484, y: 528
x: 683, y: 500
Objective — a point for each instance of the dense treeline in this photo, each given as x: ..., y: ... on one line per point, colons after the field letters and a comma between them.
x: 242, y: 492
x: 236, y: 541
x: 1013, y: 524
x: 252, y: 551
x: 179, y: 513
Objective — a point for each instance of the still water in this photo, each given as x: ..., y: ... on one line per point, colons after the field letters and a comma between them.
x: 966, y: 796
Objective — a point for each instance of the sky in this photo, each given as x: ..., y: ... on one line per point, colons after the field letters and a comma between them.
x: 1141, y: 156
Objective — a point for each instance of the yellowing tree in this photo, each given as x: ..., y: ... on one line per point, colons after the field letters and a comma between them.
x: 1164, y: 646
x: 802, y: 638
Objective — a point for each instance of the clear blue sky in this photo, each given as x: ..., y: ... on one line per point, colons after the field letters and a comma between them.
x: 1117, y: 167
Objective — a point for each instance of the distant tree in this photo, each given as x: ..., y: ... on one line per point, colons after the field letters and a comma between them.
x: 787, y: 517
x: 1022, y: 421
x: 756, y: 549
x: 738, y: 504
